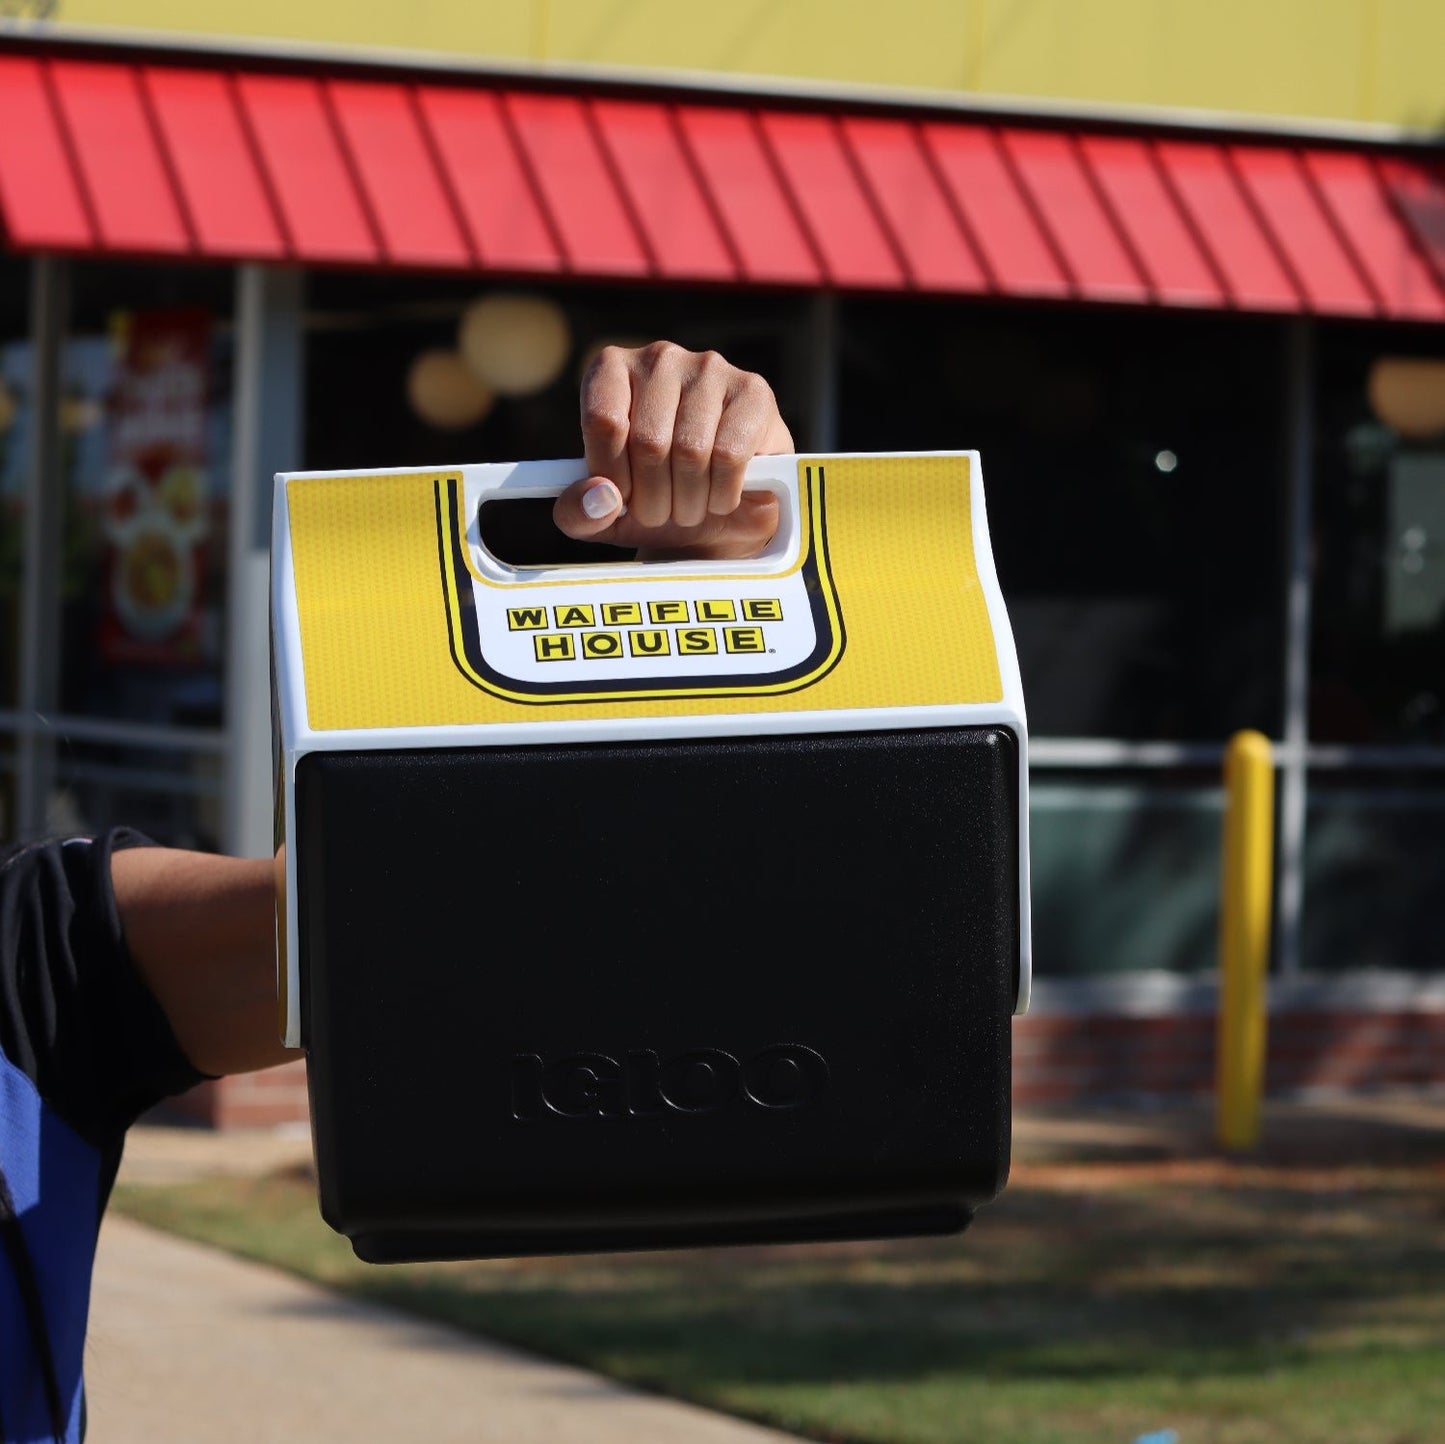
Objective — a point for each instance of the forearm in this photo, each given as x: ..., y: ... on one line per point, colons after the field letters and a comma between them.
x: 201, y: 930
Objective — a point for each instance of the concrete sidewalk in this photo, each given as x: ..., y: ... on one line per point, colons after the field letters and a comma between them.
x: 188, y: 1344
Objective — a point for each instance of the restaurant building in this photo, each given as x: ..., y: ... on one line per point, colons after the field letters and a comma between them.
x: 1200, y: 353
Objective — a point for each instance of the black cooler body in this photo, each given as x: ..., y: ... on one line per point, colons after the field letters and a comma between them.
x: 639, y: 1019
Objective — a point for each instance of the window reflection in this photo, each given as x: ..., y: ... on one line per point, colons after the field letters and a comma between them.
x: 1136, y: 491
x: 128, y: 732
x: 1378, y: 646
x: 1374, y: 872
x: 1124, y: 873
x: 364, y: 335
x: 145, y: 450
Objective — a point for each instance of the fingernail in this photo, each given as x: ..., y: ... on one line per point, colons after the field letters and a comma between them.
x: 602, y: 500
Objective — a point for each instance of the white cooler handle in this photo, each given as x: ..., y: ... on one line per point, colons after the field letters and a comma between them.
x: 548, y: 479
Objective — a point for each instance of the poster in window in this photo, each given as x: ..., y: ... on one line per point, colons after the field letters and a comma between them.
x: 156, y: 491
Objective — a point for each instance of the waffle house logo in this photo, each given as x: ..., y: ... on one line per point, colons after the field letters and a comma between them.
x: 648, y: 629
x: 677, y: 635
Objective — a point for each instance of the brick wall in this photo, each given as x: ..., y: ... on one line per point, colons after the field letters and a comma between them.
x: 1360, y: 1050
x: 1058, y: 1058
x: 267, y: 1099
x: 1061, y: 1058
x: 1069, y: 1057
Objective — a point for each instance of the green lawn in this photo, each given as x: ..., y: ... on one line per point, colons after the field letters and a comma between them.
x: 1293, y: 1301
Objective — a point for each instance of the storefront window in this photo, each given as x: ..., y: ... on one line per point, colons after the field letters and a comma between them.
x: 1124, y: 873
x: 172, y: 794
x: 369, y: 338
x: 145, y: 417
x: 1374, y: 871
x: 1377, y: 663
x: 1135, y: 481
x: 145, y: 427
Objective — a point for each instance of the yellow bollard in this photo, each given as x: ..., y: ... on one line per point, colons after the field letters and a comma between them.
x: 1244, y: 936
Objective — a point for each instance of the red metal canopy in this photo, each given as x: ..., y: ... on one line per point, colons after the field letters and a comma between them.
x: 121, y: 157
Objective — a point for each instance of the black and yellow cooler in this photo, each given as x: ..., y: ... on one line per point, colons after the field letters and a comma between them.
x: 636, y: 905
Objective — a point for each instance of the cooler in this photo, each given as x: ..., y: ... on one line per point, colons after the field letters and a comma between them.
x: 635, y: 905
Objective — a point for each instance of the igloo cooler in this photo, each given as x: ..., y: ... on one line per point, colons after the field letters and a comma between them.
x: 649, y: 904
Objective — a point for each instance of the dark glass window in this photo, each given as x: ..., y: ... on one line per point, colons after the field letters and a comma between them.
x: 1377, y: 663
x: 1133, y: 464
x: 364, y: 332
x: 145, y: 422
x: 1374, y: 871
x: 1124, y: 872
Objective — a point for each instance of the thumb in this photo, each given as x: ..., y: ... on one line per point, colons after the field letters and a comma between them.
x: 588, y: 509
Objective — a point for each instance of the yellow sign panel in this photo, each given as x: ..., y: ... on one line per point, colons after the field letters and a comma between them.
x: 400, y: 628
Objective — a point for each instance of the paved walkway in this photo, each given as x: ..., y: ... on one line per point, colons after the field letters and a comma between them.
x: 187, y: 1343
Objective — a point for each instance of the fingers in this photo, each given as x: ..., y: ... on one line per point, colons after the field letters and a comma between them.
x: 747, y: 424
x: 606, y: 419
x: 657, y: 381
x: 702, y: 404
x: 742, y: 533
x: 668, y: 435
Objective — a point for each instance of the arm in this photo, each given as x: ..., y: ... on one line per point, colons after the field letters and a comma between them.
x: 201, y: 930
x: 668, y: 435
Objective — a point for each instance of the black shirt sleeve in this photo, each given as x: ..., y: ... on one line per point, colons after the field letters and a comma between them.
x: 75, y: 1015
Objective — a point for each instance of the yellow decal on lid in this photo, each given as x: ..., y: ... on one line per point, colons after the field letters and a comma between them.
x: 883, y: 609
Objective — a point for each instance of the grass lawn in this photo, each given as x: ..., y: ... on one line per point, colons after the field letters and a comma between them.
x: 1297, y: 1297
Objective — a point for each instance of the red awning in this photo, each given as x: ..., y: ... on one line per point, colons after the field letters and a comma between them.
x: 120, y: 157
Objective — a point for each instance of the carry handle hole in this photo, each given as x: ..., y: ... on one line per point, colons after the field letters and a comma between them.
x: 519, y: 532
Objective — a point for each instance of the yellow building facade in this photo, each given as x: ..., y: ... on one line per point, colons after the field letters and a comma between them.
x: 1356, y: 63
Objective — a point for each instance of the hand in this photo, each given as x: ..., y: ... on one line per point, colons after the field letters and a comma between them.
x: 668, y: 435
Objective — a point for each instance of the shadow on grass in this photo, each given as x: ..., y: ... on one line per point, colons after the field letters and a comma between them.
x: 1053, y: 1285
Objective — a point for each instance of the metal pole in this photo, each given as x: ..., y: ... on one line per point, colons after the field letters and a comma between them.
x: 1299, y: 412
x: 38, y: 682
x: 266, y: 427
